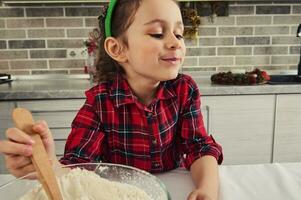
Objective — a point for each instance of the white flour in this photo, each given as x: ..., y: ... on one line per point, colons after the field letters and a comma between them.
x: 81, y: 184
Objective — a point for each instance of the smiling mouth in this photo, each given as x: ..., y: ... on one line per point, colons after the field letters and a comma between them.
x: 172, y: 60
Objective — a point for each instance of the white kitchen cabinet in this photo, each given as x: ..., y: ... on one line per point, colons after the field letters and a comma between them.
x: 287, y: 146
x: 58, y: 114
x: 6, y: 109
x: 243, y: 125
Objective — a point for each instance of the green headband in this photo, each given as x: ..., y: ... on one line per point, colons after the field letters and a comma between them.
x: 108, y: 19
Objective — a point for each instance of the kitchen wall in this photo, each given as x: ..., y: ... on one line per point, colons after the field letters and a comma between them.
x: 38, y: 39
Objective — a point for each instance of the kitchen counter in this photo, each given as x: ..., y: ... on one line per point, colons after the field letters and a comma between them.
x: 75, y: 88
x: 276, y: 181
x: 44, y: 89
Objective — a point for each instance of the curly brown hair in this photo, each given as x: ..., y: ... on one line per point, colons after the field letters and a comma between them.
x: 123, y: 16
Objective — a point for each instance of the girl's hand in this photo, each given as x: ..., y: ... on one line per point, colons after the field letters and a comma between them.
x: 17, y: 149
x: 199, y: 195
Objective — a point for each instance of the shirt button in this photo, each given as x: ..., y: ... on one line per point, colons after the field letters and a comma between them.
x: 154, y: 141
x: 156, y: 165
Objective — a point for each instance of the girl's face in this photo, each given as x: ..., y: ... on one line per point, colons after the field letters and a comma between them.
x: 156, y: 47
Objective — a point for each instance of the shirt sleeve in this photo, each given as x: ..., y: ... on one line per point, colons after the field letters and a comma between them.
x: 194, y: 140
x: 84, y: 143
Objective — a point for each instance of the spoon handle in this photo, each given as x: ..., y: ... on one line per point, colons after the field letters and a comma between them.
x: 24, y: 121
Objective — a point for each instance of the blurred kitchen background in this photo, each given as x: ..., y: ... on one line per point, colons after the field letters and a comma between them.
x: 42, y: 38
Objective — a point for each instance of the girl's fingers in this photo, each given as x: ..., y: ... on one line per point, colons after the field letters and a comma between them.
x: 13, y: 148
x: 18, y: 136
x: 28, y: 169
x: 41, y: 127
x: 15, y: 162
x: 19, y: 166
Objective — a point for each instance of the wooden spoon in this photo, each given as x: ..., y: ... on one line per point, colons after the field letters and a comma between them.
x: 24, y: 121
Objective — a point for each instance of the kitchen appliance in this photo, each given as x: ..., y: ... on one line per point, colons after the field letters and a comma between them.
x: 299, y: 35
x: 288, y: 79
x: 5, y: 78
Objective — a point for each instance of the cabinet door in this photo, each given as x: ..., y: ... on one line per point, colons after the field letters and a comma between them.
x: 243, y: 125
x: 287, y: 147
x: 6, y: 109
x: 58, y: 114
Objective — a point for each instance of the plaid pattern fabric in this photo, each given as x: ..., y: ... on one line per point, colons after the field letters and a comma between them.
x: 113, y: 126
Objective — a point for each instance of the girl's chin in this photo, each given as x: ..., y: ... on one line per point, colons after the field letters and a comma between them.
x: 170, y: 76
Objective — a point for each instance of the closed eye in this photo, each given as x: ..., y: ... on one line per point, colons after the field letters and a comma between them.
x: 179, y: 36
x: 160, y: 36
x: 156, y: 35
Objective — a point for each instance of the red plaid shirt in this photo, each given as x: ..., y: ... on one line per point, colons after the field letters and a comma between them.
x: 113, y: 126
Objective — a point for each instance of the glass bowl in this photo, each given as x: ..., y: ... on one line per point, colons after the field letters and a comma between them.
x: 16, y: 188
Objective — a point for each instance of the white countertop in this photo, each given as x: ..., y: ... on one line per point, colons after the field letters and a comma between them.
x: 244, y: 182
x: 238, y: 182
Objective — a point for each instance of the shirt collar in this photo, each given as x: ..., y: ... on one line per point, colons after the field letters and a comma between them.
x: 165, y: 90
x: 122, y: 94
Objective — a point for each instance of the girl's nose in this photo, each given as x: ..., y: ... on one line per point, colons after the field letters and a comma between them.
x: 173, y: 42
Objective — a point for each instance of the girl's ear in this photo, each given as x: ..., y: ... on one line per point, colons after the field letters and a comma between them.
x: 115, y: 49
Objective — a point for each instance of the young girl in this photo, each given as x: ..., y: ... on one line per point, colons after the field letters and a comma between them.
x: 142, y: 113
